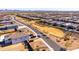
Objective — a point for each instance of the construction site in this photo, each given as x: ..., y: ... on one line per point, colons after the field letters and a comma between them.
x: 39, y: 31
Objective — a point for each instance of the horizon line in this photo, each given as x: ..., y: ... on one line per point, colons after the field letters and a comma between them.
x: 42, y: 9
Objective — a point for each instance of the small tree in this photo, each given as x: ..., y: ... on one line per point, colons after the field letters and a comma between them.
x: 15, y: 29
x: 67, y: 36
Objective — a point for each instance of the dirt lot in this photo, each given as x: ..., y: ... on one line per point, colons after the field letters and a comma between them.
x: 38, y: 45
x: 15, y: 47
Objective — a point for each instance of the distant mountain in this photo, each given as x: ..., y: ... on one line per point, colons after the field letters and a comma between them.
x: 6, y: 10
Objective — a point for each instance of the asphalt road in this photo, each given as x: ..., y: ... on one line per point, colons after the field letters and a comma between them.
x: 50, y: 42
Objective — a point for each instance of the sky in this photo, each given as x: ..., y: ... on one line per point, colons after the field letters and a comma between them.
x: 40, y: 4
